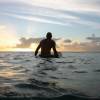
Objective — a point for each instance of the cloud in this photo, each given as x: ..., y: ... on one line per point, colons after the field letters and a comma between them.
x: 93, y: 45
x: 94, y: 39
x: 54, y: 20
x: 12, y: 1
x: 66, y: 5
x: 67, y: 41
x: 26, y: 43
x: 37, y: 19
x: 72, y: 5
x: 62, y: 44
x: 45, y: 12
x: 81, y: 47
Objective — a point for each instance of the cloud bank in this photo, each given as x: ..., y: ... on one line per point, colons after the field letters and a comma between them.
x: 92, y: 45
x: 65, y: 44
x: 26, y: 43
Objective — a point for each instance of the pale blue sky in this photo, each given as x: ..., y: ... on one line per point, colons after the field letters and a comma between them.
x: 71, y: 19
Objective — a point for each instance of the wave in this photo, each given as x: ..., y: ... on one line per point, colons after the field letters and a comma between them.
x: 97, y: 70
x: 63, y: 97
x: 80, y: 71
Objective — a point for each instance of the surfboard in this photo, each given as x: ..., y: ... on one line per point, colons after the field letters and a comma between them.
x: 51, y: 56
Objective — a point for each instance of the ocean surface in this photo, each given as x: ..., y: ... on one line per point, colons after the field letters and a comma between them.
x: 75, y: 75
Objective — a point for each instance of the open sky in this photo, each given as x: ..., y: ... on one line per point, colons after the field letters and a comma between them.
x: 71, y: 21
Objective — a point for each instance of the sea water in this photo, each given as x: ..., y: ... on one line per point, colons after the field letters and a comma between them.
x: 23, y: 74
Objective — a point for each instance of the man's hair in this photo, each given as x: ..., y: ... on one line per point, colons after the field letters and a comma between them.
x: 49, y: 35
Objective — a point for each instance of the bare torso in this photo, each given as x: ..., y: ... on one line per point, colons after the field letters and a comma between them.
x: 46, y: 46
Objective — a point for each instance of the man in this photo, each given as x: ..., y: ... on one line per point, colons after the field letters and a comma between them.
x: 46, y: 45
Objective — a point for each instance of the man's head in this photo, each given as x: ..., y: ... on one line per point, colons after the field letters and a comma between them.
x: 49, y: 35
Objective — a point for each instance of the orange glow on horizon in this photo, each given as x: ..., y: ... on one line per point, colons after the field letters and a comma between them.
x: 12, y: 47
x: 16, y: 49
x: 33, y: 48
x: 72, y: 47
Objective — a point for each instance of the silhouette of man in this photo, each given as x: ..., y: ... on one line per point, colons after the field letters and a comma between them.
x: 46, y: 45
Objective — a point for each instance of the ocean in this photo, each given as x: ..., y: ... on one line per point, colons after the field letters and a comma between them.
x: 74, y: 76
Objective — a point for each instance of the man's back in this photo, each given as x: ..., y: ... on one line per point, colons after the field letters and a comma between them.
x: 46, y: 46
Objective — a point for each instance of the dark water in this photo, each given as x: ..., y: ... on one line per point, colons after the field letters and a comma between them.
x: 74, y: 75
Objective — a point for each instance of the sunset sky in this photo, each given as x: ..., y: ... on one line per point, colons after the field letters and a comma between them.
x: 74, y: 23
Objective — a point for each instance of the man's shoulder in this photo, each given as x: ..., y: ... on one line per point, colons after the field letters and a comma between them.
x: 43, y: 40
x: 53, y: 41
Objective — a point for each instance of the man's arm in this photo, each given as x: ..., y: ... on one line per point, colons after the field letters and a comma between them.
x: 55, y: 51
x: 36, y: 51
